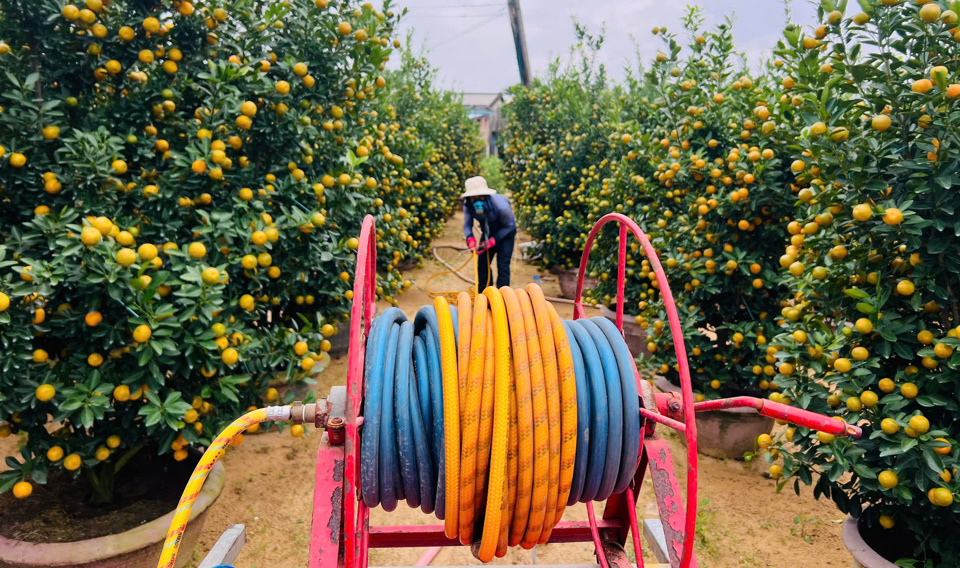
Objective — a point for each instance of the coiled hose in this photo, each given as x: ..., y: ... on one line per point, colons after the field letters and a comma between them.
x: 495, y: 415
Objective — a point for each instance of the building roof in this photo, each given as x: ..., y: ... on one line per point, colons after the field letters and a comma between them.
x: 482, y: 100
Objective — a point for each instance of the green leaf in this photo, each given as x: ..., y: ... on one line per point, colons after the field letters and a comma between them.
x: 856, y: 293
x: 864, y: 471
x: 153, y: 398
x: 930, y: 401
x: 933, y: 460
x: 866, y: 308
x: 8, y: 483
x: 86, y: 417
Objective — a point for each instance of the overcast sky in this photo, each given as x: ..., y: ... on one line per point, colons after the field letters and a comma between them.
x: 471, y: 43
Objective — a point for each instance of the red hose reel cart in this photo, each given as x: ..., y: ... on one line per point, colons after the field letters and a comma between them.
x: 342, y: 534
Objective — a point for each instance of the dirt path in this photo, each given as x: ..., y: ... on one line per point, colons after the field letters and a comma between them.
x: 743, y: 522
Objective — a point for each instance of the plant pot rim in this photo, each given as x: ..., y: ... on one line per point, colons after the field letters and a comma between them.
x: 859, y: 548
x: 665, y: 385
x: 91, y: 550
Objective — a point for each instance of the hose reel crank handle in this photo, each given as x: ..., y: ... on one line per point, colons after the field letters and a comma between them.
x: 781, y: 411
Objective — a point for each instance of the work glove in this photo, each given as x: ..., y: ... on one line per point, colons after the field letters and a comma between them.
x: 486, y: 245
x: 471, y: 242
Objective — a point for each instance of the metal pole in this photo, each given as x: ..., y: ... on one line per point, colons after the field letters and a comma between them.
x: 519, y: 40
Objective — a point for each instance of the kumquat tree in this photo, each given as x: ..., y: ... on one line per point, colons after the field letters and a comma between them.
x: 706, y: 184
x: 442, y: 148
x: 870, y: 329
x: 181, y: 185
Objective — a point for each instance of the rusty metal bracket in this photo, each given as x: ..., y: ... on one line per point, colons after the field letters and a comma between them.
x: 658, y: 456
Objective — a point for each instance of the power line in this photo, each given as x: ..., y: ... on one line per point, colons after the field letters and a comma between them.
x: 454, y: 16
x: 442, y: 6
x: 470, y: 31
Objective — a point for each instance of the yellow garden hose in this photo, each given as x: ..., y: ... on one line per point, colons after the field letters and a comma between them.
x: 470, y: 421
x: 168, y: 556
x: 548, y: 355
x: 451, y: 295
x: 568, y: 412
x: 464, y: 323
x: 541, y: 427
x: 485, y: 434
x: 524, y: 422
x: 513, y: 453
x: 496, y: 508
x: 451, y: 417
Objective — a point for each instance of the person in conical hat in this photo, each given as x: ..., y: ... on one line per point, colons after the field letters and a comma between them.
x: 498, y: 230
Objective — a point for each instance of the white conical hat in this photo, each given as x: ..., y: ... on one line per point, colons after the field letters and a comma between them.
x: 477, y: 186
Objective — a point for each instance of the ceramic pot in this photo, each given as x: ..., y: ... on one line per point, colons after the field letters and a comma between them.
x: 136, y: 548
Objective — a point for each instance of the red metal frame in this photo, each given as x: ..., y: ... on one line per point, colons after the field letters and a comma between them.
x: 341, y: 535
x: 406, y: 536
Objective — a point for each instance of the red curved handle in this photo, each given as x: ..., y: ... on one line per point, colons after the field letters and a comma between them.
x: 362, y: 312
x: 689, y: 427
x: 780, y: 411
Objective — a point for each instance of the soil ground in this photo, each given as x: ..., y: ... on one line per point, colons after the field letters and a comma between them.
x: 742, y: 521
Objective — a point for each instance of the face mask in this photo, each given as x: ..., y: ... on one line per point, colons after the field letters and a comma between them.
x: 479, y: 208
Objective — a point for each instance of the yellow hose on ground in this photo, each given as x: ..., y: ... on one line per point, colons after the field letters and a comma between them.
x: 452, y: 296
x: 496, y: 508
x: 451, y: 417
x: 548, y: 355
x: 521, y: 365
x: 471, y: 415
x: 541, y: 428
x: 168, y: 556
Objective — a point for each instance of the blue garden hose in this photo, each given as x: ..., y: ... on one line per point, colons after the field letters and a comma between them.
x: 583, y: 419
x: 388, y: 446
x: 427, y: 330
x: 423, y: 386
x: 599, y: 415
x: 611, y: 375
x: 373, y: 404
x: 631, y: 402
x: 422, y: 420
x: 406, y: 443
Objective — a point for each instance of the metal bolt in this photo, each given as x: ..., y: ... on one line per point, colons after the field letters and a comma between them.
x: 335, y: 431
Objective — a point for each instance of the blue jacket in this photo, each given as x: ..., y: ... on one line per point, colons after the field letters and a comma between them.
x: 500, y: 218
